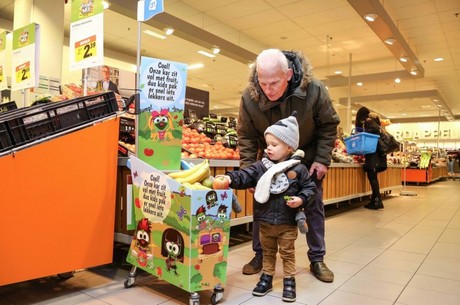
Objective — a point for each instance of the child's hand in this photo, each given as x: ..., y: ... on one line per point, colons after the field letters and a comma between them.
x: 293, y: 201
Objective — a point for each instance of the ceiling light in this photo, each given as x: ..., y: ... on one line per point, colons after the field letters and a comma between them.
x: 370, y: 17
x: 338, y: 72
x: 359, y: 84
x: 397, y: 80
x: 206, y: 53
x: 151, y: 33
x: 215, y: 50
x: 106, y: 4
x: 439, y: 59
x: 414, y: 72
x: 168, y: 31
x: 390, y: 41
x: 404, y: 58
x: 195, y: 66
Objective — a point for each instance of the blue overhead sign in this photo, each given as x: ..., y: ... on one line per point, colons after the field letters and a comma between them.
x: 146, y: 9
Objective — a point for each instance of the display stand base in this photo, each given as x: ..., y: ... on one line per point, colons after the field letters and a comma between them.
x: 407, y: 193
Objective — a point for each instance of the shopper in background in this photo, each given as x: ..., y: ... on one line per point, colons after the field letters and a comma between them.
x: 105, y: 83
x: 281, y: 82
x: 278, y: 176
x: 450, y: 165
x: 376, y: 162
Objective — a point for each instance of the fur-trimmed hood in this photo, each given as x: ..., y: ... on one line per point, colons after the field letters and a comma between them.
x: 302, y: 74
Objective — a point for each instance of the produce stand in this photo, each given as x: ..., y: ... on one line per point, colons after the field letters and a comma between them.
x: 56, y: 214
x: 343, y: 182
x: 181, y: 234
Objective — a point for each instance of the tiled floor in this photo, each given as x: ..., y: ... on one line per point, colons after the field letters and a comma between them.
x: 408, y: 253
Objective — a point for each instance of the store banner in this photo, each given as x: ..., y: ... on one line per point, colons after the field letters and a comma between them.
x: 146, y: 9
x: 86, y: 48
x: 181, y: 235
x: 25, y: 57
x: 3, y: 82
x: 161, y: 113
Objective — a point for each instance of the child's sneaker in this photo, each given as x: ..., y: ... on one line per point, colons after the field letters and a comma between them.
x: 264, y: 286
x: 289, y: 289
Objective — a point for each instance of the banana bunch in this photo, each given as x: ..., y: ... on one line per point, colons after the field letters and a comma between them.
x: 194, y: 174
x: 196, y: 186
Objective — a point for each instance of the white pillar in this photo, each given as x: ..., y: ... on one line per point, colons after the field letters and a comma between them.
x: 49, y: 15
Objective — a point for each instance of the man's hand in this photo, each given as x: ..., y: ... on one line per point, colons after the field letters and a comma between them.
x: 320, y: 169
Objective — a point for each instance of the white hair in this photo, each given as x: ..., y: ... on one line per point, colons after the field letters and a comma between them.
x: 274, y: 57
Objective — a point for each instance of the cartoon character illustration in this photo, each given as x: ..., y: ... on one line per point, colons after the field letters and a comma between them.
x: 142, y: 242
x: 211, y: 244
x: 211, y: 199
x: 87, y: 7
x: 222, y: 212
x: 172, y: 247
x: 203, y: 223
x: 24, y: 37
x: 161, y: 125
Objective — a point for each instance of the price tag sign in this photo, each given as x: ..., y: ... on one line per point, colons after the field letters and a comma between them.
x: 85, y: 48
x: 23, y: 72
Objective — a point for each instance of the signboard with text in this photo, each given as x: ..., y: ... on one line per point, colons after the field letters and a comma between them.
x: 3, y: 83
x: 86, y: 48
x: 162, y: 94
x: 25, y: 59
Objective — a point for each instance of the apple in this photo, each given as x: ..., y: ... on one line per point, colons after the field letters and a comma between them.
x: 208, y: 182
x: 220, y: 183
x: 148, y: 152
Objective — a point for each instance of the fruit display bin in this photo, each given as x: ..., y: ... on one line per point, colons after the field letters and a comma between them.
x: 181, y: 234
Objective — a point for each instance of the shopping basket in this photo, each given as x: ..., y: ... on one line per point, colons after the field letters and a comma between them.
x: 361, y: 143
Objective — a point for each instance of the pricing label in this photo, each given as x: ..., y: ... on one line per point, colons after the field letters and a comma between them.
x: 22, y: 72
x: 85, y: 48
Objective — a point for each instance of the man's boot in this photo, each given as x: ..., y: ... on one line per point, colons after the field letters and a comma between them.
x: 264, y: 285
x: 322, y: 272
x: 254, y: 266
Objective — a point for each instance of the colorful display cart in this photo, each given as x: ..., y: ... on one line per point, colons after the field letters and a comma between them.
x: 181, y: 234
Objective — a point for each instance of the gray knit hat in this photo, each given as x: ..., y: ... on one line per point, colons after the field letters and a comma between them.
x: 287, y: 130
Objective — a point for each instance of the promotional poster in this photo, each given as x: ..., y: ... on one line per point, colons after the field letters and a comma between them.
x: 181, y: 235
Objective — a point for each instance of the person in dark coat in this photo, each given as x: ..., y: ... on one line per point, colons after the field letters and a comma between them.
x: 282, y: 187
x: 279, y: 83
x: 376, y: 162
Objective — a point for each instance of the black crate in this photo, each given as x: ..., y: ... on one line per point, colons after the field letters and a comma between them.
x: 8, y: 106
x: 40, y: 121
x: 5, y: 138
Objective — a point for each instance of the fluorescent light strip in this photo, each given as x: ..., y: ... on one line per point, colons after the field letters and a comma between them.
x: 195, y: 66
x: 206, y: 53
x: 148, y: 32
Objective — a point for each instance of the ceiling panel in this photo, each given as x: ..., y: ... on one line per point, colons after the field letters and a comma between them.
x: 328, y: 32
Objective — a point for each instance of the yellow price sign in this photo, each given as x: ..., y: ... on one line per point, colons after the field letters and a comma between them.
x: 22, y: 72
x: 85, y: 48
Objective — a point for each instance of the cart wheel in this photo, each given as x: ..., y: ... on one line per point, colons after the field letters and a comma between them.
x: 131, y: 277
x: 66, y: 275
x: 217, y: 295
x: 195, y: 299
x: 129, y: 282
